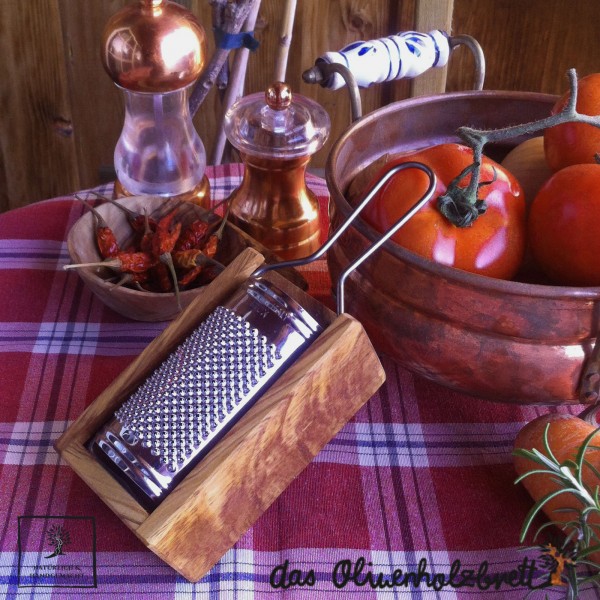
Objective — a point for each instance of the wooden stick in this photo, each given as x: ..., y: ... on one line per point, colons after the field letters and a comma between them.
x: 235, y: 89
x: 218, y: 11
x: 285, y: 40
x: 111, y: 263
x: 236, y: 14
x: 223, y: 79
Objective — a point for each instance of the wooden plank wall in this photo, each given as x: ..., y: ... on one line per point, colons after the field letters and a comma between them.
x: 61, y: 115
x: 528, y: 45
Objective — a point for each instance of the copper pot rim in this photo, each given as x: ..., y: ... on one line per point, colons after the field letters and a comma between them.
x: 458, y: 276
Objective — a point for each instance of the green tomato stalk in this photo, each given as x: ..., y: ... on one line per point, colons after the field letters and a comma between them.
x: 461, y: 205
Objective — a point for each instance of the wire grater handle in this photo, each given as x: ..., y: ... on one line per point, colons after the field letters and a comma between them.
x: 374, y: 247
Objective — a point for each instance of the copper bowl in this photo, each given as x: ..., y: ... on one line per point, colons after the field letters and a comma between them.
x: 508, y: 341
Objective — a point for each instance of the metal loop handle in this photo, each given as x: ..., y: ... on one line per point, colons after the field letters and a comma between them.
x: 321, y: 73
x: 374, y: 247
x: 473, y: 45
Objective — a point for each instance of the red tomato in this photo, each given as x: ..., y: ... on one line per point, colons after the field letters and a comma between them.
x: 493, y: 245
x: 564, y: 226
x: 575, y: 143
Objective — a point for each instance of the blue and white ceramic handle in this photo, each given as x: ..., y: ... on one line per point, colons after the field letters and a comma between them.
x: 402, y: 56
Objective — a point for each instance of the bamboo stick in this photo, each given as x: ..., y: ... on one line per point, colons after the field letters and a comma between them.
x: 218, y: 12
x: 285, y: 40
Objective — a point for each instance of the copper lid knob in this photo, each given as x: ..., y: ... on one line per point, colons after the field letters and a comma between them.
x: 153, y: 46
x: 278, y: 96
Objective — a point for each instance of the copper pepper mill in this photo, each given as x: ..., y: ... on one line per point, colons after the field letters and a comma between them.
x: 276, y: 134
x: 155, y: 50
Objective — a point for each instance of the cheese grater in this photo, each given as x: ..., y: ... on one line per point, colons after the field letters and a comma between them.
x: 205, y: 385
x: 190, y: 401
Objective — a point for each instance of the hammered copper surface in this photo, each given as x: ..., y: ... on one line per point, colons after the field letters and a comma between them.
x: 509, y: 341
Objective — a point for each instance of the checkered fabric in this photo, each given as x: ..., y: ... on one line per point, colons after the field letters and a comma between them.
x: 421, y: 474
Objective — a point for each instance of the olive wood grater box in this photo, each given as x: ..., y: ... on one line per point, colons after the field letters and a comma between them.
x: 235, y: 483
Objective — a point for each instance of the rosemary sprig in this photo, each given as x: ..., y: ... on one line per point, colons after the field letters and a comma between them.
x: 582, y: 537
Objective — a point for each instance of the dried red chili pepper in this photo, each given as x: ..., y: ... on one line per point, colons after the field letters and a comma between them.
x: 186, y: 259
x: 210, y: 248
x: 163, y: 277
x: 190, y: 276
x: 136, y: 262
x: 165, y: 237
x: 125, y: 262
x: 128, y: 279
x: 146, y: 239
x: 106, y: 240
x: 192, y: 236
x: 141, y: 223
x: 136, y: 221
x: 189, y: 259
x: 141, y: 277
x: 163, y: 241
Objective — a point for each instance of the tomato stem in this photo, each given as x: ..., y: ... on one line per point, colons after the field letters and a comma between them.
x: 461, y: 205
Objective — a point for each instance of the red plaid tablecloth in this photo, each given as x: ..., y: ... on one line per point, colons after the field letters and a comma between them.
x: 420, y: 475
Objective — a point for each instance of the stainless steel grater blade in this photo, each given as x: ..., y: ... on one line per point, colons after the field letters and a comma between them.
x: 194, y: 397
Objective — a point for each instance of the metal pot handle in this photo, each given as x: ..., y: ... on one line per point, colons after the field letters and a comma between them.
x: 589, y: 387
x: 401, y: 56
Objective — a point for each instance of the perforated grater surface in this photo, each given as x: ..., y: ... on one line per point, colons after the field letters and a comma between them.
x: 193, y: 398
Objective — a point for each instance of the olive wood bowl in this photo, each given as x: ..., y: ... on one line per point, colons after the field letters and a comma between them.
x: 142, y: 305
x: 510, y: 341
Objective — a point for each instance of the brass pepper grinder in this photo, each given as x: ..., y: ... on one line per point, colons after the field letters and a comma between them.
x: 276, y: 134
x: 154, y: 50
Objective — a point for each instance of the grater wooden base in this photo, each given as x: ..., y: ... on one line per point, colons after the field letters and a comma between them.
x: 251, y: 466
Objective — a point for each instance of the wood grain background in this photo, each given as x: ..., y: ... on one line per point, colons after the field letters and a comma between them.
x: 61, y: 115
